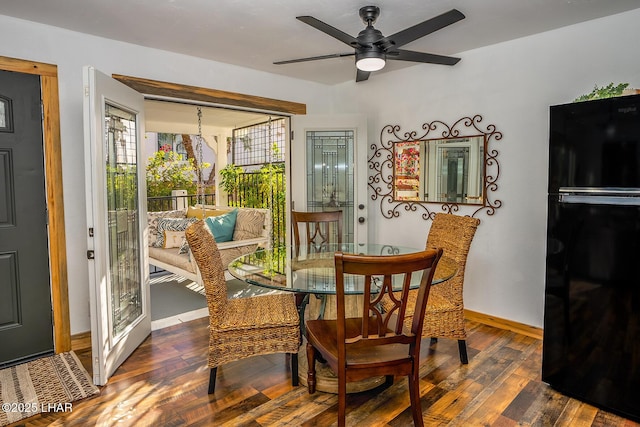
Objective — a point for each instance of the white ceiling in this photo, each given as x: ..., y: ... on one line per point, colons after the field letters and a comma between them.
x: 176, y: 117
x: 255, y: 33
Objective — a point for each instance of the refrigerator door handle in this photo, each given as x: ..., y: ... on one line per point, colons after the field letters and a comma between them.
x: 601, y: 191
x: 599, y: 200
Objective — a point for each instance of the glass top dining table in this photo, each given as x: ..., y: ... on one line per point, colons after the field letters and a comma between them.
x: 313, y: 272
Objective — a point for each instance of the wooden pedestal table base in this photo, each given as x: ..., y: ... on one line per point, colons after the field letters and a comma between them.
x: 326, y: 379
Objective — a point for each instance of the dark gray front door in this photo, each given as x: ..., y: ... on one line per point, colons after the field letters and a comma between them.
x: 26, y: 326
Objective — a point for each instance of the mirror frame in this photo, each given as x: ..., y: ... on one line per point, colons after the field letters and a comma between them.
x: 381, y: 163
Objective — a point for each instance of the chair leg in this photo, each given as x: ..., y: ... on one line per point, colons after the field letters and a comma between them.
x: 212, y: 380
x: 462, y: 347
x: 414, y: 394
x: 388, y: 380
x: 294, y: 369
x: 311, y: 368
x: 342, y: 397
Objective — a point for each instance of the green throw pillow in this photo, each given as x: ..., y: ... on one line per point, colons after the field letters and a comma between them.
x: 222, y: 226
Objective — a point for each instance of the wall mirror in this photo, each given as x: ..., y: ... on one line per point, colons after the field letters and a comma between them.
x: 439, y: 170
x: 446, y: 166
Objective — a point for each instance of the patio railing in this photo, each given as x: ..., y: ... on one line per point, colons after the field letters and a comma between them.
x: 169, y: 203
x: 267, y: 191
x: 254, y: 191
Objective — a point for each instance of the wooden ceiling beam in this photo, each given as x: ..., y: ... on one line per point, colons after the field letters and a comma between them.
x: 180, y: 91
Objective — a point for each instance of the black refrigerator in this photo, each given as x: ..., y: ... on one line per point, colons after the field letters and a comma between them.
x: 591, y: 345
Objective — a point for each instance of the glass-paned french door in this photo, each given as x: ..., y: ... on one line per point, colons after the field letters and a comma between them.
x: 330, y: 175
x: 121, y: 165
x: 116, y: 221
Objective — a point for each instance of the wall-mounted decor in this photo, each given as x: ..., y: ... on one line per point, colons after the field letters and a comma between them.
x: 440, y: 165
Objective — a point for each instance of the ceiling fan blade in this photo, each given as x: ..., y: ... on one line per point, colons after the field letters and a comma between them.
x: 410, y: 55
x: 362, y: 75
x: 427, y: 27
x: 314, y: 58
x: 328, y: 29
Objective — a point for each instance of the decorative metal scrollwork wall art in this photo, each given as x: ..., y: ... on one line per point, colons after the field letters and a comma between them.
x: 431, y: 143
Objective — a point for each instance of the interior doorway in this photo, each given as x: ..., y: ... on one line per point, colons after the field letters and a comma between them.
x: 25, y: 291
x: 175, y: 299
x: 48, y: 76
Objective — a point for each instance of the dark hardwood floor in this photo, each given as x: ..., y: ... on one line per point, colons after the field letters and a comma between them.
x: 164, y: 383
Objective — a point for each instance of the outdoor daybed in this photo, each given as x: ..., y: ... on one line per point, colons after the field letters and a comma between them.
x: 245, y: 229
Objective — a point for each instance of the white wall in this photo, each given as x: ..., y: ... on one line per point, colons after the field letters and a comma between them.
x: 70, y: 51
x: 512, y: 86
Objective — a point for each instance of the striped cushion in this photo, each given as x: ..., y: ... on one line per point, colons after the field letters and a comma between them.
x: 171, y: 224
x: 153, y: 218
x: 184, y: 247
x: 249, y: 224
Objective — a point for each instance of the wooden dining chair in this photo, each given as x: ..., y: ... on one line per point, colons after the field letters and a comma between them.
x: 377, y: 343
x: 320, y: 229
x: 243, y: 327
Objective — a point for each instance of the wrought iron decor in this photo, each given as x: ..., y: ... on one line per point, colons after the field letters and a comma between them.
x: 381, y: 165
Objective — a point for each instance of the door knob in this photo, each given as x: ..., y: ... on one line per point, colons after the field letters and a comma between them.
x: 361, y: 220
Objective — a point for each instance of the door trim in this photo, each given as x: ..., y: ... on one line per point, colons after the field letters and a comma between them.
x: 53, y: 181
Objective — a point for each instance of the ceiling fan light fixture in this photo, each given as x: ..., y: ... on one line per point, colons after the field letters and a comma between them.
x: 370, y: 61
x: 372, y: 47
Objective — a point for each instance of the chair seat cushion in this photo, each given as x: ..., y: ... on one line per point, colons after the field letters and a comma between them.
x: 171, y: 256
x: 273, y: 310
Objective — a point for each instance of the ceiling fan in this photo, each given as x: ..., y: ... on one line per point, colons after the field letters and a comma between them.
x: 372, y: 49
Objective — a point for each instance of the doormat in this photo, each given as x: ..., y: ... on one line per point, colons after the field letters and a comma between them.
x: 48, y: 384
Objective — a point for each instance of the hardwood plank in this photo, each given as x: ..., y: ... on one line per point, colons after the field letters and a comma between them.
x: 503, y: 422
x: 524, y: 399
x: 577, y: 414
x: 451, y: 404
x: 554, y: 404
x: 384, y: 407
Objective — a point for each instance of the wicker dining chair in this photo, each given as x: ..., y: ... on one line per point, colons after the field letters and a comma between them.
x: 243, y: 327
x: 445, y: 309
x: 376, y: 343
x: 321, y: 229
